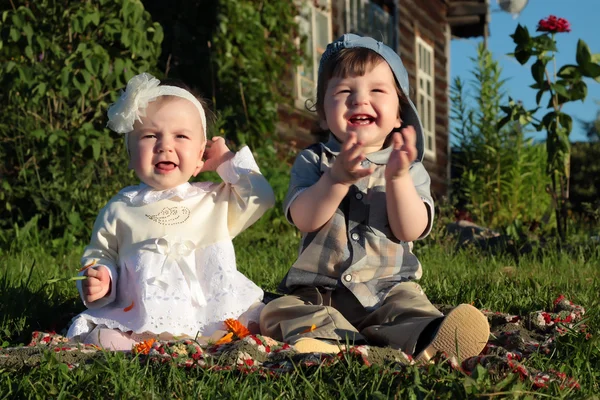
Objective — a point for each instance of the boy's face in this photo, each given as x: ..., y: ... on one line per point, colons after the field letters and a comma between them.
x: 367, y: 105
x: 166, y: 148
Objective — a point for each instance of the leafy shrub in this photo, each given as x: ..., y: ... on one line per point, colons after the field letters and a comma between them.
x: 585, y: 179
x: 62, y: 63
x: 253, y: 66
x: 500, y: 175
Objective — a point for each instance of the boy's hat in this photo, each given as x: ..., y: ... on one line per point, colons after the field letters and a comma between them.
x: 409, y: 115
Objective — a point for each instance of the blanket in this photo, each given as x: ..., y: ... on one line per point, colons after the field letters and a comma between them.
x: 512, y: 340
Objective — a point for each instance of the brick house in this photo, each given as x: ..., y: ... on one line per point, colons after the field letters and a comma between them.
x: 420, y: 31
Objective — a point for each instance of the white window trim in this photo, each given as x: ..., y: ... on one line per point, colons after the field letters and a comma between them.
x: 299, y: 99
x: 428, y: 126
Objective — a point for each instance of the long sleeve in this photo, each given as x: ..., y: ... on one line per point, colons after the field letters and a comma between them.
x: 246, y: 190
x: 103, y: 250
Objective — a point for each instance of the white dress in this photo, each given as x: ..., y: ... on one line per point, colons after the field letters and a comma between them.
x: 170, y: 254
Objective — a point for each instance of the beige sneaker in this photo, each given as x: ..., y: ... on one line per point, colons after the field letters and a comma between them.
x: 312, y: 345
x: 463, y: 333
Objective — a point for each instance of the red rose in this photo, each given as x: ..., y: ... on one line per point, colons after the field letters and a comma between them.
x: 553, y: 24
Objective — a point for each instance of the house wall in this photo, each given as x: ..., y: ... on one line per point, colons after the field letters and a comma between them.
x: 428, y: 19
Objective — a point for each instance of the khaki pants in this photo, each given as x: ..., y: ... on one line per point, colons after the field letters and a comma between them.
x: 339, y: 316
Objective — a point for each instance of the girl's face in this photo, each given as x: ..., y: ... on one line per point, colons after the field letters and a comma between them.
x: 367, y: 105
x: 167, y: 146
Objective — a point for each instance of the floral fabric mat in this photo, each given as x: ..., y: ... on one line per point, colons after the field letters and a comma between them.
x: 513, y: 339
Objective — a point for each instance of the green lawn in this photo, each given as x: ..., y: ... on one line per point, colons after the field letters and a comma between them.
x: 28, y: 303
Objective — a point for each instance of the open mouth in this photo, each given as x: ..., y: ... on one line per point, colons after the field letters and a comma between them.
x: 360, y: 120
x: 165, y: 166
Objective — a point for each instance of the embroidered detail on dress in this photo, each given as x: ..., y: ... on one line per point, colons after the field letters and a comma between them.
x: 171, y: 216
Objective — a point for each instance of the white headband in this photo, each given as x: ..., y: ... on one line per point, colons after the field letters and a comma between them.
x: 141, y: 90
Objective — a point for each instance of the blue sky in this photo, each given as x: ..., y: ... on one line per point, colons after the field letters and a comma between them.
x: 585, y: 24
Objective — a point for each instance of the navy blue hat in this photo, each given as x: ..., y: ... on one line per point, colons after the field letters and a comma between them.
x: 409, y: 115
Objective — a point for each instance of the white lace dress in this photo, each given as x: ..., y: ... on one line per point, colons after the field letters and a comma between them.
x: 171, y: 258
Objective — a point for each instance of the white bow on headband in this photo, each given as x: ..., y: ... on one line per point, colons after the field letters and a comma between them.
x: 141, y: 90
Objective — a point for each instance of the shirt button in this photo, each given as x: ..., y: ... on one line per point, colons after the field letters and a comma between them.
x: 348, y: 278
x: 355, y: 236
x: 358, y: 196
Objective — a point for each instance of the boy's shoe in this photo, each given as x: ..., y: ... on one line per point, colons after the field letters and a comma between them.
x: 312, y: 345
x: 463, y: 333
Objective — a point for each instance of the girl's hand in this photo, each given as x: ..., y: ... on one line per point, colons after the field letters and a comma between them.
x: 97, y: 284
x: 347, y: 167
x: 404, y: 152
x: 215, y: 154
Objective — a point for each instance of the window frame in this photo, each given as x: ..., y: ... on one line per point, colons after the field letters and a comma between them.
x: 355, y: 7
x: 299, y: 98
x: 425, y: 102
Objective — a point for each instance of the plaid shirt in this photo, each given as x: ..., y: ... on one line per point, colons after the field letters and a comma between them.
x: 356, y: 247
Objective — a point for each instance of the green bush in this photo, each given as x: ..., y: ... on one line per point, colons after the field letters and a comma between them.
x: 61, y: 65
x: 500, y: 174
x: 585, y: 180
x: 254, y: 50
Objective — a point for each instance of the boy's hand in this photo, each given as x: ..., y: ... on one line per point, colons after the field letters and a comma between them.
x: 347, y: 167
x: 404, y: 152
x: 97, y: 284
x: 215, y: 154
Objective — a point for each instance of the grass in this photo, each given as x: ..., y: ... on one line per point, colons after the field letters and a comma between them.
x: 28, y: 303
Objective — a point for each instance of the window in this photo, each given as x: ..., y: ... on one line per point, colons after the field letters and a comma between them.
x: 367, y: 18
x: 426, y: 93
x: 315, y: 24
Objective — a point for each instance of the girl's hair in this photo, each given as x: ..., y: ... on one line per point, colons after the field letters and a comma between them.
x: 348, y: 62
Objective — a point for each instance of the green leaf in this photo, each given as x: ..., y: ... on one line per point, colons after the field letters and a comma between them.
x: 96, y: 149
x: 87, y: 77
x: 38, y: 133
x: 118, y: 66
x: 583, y: 55
x: 522, y: 55
x: 125, y: 39
x: 41, y: 89
x: 10, y: 65
x: 560, y: 89
x: 538, y: 96
x: 29, y: 52
x: 28, y: 30
x: 521, y: 35
x: 16, y: 20
x: 549, y: 121
x: 14, y: 34
x: 545, y: 43
x: 538, y: 71
x: 591, y: 70
x: 64, y: 76
x: 569, y: 72
x: 95, y: 18
x: 503, y: 122
x: 578, y: 91
x: 566, y: 121
x: 88, y: 65
x: 524, y: 119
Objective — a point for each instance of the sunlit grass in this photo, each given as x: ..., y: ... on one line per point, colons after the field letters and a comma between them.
x: 496, y: 282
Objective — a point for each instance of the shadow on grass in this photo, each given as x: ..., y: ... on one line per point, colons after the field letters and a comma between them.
x: 24, y: 310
